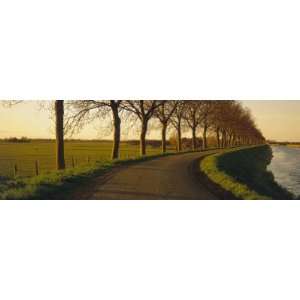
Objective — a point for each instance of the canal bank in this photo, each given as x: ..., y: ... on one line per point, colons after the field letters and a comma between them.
x: 244, y: 173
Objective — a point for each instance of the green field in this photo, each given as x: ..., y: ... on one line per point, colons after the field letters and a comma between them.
x: 25, y: 155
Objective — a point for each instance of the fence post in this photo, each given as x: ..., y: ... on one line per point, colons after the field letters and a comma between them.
x: 37, y: 168
x: 73, y: 162
x: 88, y: 159
x: 15, y: 170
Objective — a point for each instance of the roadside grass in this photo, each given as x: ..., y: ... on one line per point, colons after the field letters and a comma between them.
x: 243, y: 172
x: 60, y: 183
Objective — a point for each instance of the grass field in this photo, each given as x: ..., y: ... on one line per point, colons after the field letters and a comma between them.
x: 83, y: 153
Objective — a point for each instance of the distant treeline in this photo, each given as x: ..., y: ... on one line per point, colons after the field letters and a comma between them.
x: 283, y: 143
x: 23, y: 139
x: 186, y: 142
x: 27, y: 140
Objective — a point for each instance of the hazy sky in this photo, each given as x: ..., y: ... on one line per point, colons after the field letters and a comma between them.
x: 278, y: 120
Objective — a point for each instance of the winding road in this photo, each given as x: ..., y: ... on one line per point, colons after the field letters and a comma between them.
x: 169, y: 177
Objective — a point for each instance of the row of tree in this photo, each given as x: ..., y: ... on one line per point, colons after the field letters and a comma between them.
x: 229, y: 121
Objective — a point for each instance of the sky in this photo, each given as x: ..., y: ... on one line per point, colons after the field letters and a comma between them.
x: 278, y: 120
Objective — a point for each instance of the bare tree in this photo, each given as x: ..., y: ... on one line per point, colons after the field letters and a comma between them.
x: 207, y: 108
x: 193, y: 118
x: 144, y: 110
x: 234, y: 125
x: 176, y: 121
x: 83, y: 112
x: 164, y: 114
x: 220, y: 118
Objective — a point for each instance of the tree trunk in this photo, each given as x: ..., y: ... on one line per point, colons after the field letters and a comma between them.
x: 229, y: 140
x: 117, y: 131
x: 163, y: 138
x: 143, y: 137
x: 224, y: 141
x: 218, y: 138
x: 204, y: 137
x: 233, y: 143
x: 60, y: 153
x: 179, y: 143
x: 194, y: 141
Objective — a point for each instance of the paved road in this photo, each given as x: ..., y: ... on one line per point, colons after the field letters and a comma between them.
x: 170, y: 177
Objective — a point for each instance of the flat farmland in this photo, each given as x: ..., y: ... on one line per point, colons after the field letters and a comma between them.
x: 77, y: 153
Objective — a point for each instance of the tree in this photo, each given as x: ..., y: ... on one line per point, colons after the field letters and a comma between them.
x: 86, y: 111
x: 176, y: 120
x: 114, y: 105
x: 59, y: 130
x: 216, y: 120
x: 234, y: 125
x: 164, y: 114
x: 206, y: 111
x: 144, y: 110
x: 220, y: 117
x: 193, y: 118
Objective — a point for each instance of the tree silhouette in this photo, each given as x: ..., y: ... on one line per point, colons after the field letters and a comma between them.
x: 177, y: 120
x: 193, y: 118
x: 144, y: 110
x: 59, y: 130
x: 164, y: 114
x: 86, y: 111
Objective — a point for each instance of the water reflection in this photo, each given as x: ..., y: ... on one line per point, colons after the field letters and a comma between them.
x: 285, y: 166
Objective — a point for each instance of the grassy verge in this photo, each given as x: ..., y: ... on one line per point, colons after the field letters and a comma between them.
x: 243, y: 173
x: 49, y: 186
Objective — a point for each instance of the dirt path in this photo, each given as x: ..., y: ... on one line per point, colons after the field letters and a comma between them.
x: 170, y: 177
